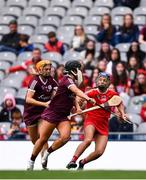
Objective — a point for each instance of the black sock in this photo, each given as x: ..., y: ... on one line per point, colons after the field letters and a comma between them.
x: 50, y: 150
x: 33, y: 157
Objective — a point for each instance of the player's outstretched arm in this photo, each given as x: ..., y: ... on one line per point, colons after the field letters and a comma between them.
x: 79, y: 93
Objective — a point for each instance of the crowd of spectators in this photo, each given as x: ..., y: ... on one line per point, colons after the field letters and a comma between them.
x: 128, y: 78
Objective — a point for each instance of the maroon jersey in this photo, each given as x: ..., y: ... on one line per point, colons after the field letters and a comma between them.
x: 62, y: 102
x: 42, y: 92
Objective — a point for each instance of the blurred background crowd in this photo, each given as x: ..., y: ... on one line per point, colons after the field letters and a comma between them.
x: 104, y: 35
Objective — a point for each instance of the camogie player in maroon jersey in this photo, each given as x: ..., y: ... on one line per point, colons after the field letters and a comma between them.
x: 55, y: 115
x: 40, y: 91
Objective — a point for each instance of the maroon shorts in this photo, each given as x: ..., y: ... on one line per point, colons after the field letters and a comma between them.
x: 53, y: 117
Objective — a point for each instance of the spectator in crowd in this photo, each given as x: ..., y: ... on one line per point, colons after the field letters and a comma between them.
x: 88, y: 55
x: 134, y: 50
x: 132, y: 66
x: 102, y: 65
x: 36, y: 57
x: 128, y: 32
x: 106, y: 31
x: 10, y: 41
x: 129, y: 3
x: 120, y: 78
x: 115, y: 58
x: 53, y: 44
x: 93, y: 78
x: 142, y: 36
x: 105, y: 52
x: 9, y: 107
x: 24, y: 44
x: 79, y: 39
x: 140, y: 84
x: 59, y: 72
x: 17, y: 129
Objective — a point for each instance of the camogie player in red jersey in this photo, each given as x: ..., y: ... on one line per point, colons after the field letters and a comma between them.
x: 96, y: 123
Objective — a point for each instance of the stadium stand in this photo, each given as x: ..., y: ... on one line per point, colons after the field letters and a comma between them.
x: 37, y: 18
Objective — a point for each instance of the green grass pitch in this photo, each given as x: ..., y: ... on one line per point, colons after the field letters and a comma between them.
x: 73, y: 174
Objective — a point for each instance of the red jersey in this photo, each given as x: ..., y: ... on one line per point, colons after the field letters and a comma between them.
x: 99, y: 118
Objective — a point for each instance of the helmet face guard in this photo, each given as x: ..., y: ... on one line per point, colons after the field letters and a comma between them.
x: 73, y: 67
x: 103, y: 87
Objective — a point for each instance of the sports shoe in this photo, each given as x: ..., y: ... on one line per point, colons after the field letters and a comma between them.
x: 44, y: 165
x: 30, y: 165
x: 81, y: 165
x: 71, y: 164
x: 44, y: 159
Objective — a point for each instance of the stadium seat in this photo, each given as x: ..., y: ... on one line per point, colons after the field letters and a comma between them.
x: 12, y: 82
x: 54, y: 56
x: 4, y: 29
x: 2, y: 3
x: 50, y: 20
x: 24, y: 56
x: 92, y: 20
x: 39, y: 3
x: 71, y: 55
x: 4, y: 65
x: 68, y: 30
x: 104, y: 3
x: 91, y: 30
x: 78, y: 11
x: 28, y: 20
x: 25, y: 29
x: 55, y: 11
x: 121, y: 11
x: 18, y: 75
x: 5, y: 90
x: 2, y: 75
x: 17, y: 3
x: 98, y: 47
x: 139, y: 11
x: 123, y: 47
x: 66, y: 40
x: 82, y: 3
x: 135, y: 105
x: 142, y: 128
x: 143, y: 47
x: 142, y: 3
x: 4, y: 20
x: 140, y: 20
x: 20, y: 96
x: 123, y: 56
x: 8, y: 56
x: 71, y: 20
x: 117, y: 20
x: 33, y: 11
x: 40, y: 46
x: 12, y: 11
x: 99, y: 11
x: 44, y: 30
x: 61, y: 3
x: 41, y: 39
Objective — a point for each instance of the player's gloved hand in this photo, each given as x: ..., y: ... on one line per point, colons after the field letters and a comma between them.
x: 92, y: 101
